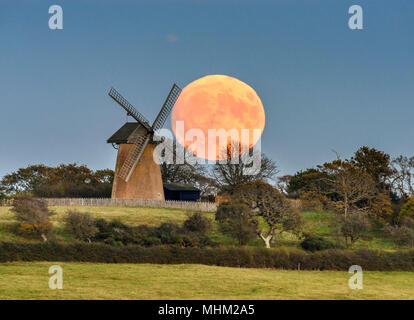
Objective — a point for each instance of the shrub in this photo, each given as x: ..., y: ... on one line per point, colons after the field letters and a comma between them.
x: 33, y: 215
x: 313, y: 243
x: 35, y: 229
x: 31, y: 210
x: 247, y: 257
x: 408, y: 208
x: 403, y: 233
x: 197, y: 223
x: 81, y: 225
x: 236, y: 220
x: 353, y: 226
x: 313, y: 200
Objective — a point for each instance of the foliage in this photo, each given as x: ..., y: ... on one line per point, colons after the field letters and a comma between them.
x: 313, y: 200
x: 310, y: 180
x: 354, y: 188
x: 35, y: 229
x: 272, y: 206
x: 408, y: 208
x: 82, y: 225
x: 31, y: 210
x: 404, y: 232
x: 314, y: 243
x: 374, y: 162
x: 197, y: 223
x: 353, y: 226
x: 33, y: 215
x: 403, y: 176
x: 237, y: 220
x: 247, y: 257
x: 69, y: 180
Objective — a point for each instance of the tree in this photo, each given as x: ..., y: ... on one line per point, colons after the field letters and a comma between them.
x: 24, y: 179
x: 402, y: 178
x: 354, y: 187
x: 237, y: 168
x: 374, y: 162
x: 33, y: 215
x: 408, y: 208
x: 310, y: 180
x: 237, y: 220
x: 353, y: 226
x: 65, y: 180
x: 272, y: 206
x: 82, y: 225
x: 197, y: 223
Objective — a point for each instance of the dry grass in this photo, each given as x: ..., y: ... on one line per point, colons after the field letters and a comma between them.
x: 26, y: 280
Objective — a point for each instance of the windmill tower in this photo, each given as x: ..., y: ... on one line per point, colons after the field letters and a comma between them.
x: 137, y: 176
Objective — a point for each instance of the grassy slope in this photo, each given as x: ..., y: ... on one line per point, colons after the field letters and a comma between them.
x: 319, y: 223
x: 26, y: 280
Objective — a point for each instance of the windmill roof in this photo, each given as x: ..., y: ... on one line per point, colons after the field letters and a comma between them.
x: 124, y: 133
x: 180, y: 187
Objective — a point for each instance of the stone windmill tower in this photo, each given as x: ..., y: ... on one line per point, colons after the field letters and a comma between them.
x: 137, y: 176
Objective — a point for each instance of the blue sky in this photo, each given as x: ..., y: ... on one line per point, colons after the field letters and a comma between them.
x: 323, y: 86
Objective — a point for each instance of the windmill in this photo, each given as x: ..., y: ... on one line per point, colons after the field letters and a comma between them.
x: 136, y: 173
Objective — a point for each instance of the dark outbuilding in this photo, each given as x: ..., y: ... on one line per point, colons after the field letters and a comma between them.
x: 181, y: 192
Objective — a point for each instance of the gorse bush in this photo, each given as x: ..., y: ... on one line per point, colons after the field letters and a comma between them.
x: 31, y: 210
x: 82, y: 225
x: 33, y: 215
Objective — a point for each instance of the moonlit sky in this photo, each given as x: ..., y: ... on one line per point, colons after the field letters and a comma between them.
x: 322, y: 85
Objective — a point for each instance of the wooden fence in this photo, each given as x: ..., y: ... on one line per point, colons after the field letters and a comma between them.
x: 108, y: 202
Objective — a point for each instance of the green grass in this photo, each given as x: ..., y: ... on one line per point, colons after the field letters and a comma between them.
x: 26, y: 280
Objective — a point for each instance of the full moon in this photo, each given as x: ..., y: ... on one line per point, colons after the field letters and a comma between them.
x: 217, y: 102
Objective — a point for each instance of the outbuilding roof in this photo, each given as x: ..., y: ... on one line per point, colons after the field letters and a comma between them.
x: 124, y: 133
x: 180, y: 187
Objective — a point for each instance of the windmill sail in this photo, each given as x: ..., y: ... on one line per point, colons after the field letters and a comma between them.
x: 137, y: 149
x: 166, y: 108
x: 129, y: 108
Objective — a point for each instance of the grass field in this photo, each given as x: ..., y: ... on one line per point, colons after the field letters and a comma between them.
x: 319, y: 223
x: 28, y: 280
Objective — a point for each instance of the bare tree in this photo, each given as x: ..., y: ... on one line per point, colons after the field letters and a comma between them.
x: 354, y: 187
x: 402, y: 179
x: 237, y: 166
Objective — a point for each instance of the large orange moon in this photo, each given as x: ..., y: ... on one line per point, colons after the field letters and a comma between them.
x: 217, y: 102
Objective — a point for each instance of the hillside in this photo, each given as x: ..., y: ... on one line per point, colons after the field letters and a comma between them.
x: 319, y: 223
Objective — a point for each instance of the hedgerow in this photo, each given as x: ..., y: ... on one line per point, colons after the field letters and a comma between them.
x: 247, y: 257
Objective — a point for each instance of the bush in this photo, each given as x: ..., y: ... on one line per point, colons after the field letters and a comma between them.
x: 31, y: 210
x: 33, y: 215
x: 81, y: 225
x: 353, y: 226
x: 407, y: 210
x: 313, y: 243
x: 236, y: 220
x: 197, y: 223
x: 403, y: 233
x: 313, y: 200
x: 35, y: 229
